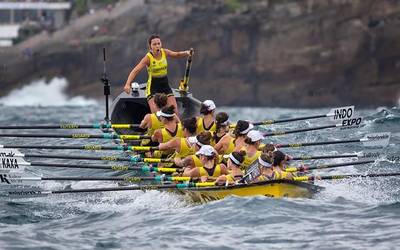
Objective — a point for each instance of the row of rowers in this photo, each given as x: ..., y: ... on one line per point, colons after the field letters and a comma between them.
x: 206, y: 147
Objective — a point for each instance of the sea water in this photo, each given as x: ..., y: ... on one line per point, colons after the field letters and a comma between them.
x: 348, y: 214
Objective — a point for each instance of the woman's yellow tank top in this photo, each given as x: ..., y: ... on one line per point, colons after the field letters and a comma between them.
x: 201, y: 128
x: 249, y: 160
x: 167, y: 136
x: 157, y: 68
x: 184, y: 149
x: 216, y: 172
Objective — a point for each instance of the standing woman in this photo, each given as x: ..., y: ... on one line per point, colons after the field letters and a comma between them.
x: 157, y: 68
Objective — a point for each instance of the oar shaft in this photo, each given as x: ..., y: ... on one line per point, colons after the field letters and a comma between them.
x: 84, y: 147
x: 298, y: 130
x: 106, y: 167
x: 318, y: 157
x: 305, y: 144
x: 267, y: 122
x: 80, y: 136
x: 72, y: 126
x: 307, y: 168
x: 338, y: 177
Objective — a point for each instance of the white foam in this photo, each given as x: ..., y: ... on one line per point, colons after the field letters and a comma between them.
x: 41, y: 93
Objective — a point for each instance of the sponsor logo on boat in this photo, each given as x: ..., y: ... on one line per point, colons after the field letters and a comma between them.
x: 343, y: 113
x: 9, y: 163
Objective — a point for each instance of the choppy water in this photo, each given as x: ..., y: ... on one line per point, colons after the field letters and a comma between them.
x: 348, y: 214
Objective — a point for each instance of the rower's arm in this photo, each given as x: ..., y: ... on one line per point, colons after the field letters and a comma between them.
x: 145, y: 122
x: 172, y: 144
x: 157, y: 136
x: 177, y: 54
x: 135, y: 71
x: 220, y: 146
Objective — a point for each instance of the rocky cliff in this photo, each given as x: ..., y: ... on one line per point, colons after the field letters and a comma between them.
x: 287, y: 53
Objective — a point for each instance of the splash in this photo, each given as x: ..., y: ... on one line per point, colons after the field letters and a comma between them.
x: 40, y: 93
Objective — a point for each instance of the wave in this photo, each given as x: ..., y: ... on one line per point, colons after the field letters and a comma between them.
x: 42, y: 93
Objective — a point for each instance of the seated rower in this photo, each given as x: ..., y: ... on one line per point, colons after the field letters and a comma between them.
x: 235, y: 160
x: 191, y: 161
x: 183, y: 146
x: 221, y: 128
x: 279, y: 164
x: 171, y: 128
x: 252, y: 143
x: 210, y: 168
x: 206, y: 121
x: 240, y: 132
x: 267, y: 171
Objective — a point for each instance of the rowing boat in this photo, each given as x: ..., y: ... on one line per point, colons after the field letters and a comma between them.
x: 132, y: 108
x: 273, y: 189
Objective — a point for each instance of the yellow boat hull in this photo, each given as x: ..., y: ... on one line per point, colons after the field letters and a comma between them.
x: 275, y: 189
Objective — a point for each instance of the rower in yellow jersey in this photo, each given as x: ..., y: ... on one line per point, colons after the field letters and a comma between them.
x: 234, y: 141
x: 192, y: 161
x: 182, y: 146
x: 235, y: 160
x: 206, y: 121
x: 209, y: 159
x: 252, y: 143
x: 171, y: 127
x: 157, y: 68
x: 221, y: 127
x: 273, y: 171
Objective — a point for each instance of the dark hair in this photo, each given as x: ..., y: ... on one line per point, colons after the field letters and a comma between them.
x: 220, y: 118
x: 169, y: 110
x: 160, y: 99
x: 190, y: 124
x: 266, y: 158
x: 204, y: 110
x: 151, y: 38
x: 204, y: 137
x: 239, y: 155
x: 241, y: 125
x: 248, y: 141
x: 278, y: 157
x: 268, y: 148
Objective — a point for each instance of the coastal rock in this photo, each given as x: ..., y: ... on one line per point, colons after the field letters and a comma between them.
x: 306, y: 53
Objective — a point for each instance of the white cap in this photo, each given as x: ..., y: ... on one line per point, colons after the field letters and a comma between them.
x: 206, y: 150
x: 210, y: 105
x: 255, y: 135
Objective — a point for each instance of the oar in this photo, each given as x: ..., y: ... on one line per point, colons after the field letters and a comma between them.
x: 340, y: 113
x: 338, y: 177
x: 361, y: 155
x: 84, y: 147
x: 6, y: 152
x: 325, y: 166
x: 369, y: 140
x: 351, y: 123
x: 183, y: 85
x: 17, y: 164
x: 16, y: 179
x: 35, y: 192
x: 80, y: 136
x: 73, y: 126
